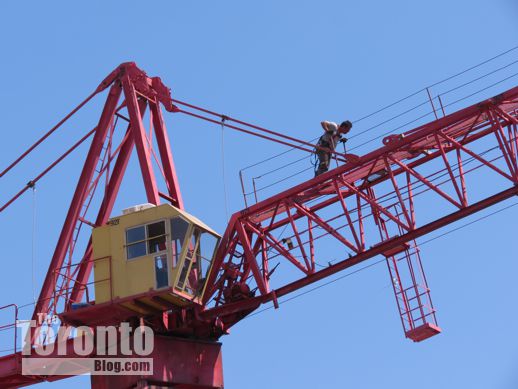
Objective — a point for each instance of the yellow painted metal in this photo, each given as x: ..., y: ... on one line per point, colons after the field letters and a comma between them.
x: 117, y: 277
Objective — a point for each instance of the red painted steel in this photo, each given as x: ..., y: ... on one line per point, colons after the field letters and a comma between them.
x: 289, y: 142
x: 377, y: 192
x: 44, y: 302
x: 177, y: 363
x: 140, y: 92
x: 376, y: 204
x: 182, y: 363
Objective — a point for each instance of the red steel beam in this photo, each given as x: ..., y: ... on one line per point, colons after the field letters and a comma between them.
x: 78, y: 198
x: 338, y: 184
x: 110, y: 195
x: 166, y: 156
x: 139, y: 137
x: 129, y: 79
x: 363, y: 256
x: 247, y: 242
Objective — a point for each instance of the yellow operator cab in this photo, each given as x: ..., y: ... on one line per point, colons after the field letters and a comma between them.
x: 158, y: 254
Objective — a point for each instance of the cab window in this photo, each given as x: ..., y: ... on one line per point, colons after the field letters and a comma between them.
x: 197, y: 262
x: 179, y: 228
x: 146, y: 239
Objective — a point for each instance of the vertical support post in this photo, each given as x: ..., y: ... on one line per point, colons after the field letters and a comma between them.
x: 442, y: 106
x: 504, y: 146
x: 347, y: 215
x: 245, y: 242
x: 166, y: 156
x: 255, y: 190
x: 266, y: 270
x: 243, y: 187
x: 297, y: 236
x: 440, y: 146
x: 139, y: 136
x: 431, y: 102
x: 311, y: 245
x: 360, y: 221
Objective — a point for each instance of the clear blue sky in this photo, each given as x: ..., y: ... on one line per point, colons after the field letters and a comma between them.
x: 285, y: 65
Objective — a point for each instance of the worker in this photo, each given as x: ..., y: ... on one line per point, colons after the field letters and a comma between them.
x: 332, y: 135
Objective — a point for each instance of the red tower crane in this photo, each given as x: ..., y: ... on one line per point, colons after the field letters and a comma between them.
x: 375, y: 204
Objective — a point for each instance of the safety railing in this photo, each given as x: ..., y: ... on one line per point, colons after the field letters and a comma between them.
x: 65, y: 276
x: 5, y: 329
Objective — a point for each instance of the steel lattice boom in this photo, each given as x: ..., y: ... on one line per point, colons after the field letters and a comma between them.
x: 372, y: 206
x: 376, y: 204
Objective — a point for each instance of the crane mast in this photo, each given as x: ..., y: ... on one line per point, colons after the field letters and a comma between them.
x: 379, y: 203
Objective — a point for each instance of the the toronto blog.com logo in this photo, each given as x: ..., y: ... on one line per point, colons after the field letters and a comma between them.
x: 50, y: 348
